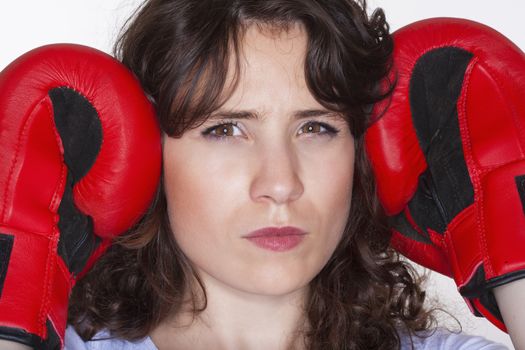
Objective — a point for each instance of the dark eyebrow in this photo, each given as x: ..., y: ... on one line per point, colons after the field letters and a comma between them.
x: 233, y: 115
x: 309, y: 113
x: 302, y: 114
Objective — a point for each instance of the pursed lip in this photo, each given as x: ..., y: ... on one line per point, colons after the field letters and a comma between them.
x: 277, y: 239
x: 276, y: 232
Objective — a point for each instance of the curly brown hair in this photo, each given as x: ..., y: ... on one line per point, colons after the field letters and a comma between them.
x: 179, y: 49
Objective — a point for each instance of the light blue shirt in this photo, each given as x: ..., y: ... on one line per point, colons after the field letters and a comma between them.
x: 440, y: 340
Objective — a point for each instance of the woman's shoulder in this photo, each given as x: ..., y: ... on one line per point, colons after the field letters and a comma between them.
x: 442, y: 339
x: 104, y: 341
x: 439, y: 339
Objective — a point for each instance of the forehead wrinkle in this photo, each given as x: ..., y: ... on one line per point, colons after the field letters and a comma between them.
x: 255, y: 115
x: 240, y: 63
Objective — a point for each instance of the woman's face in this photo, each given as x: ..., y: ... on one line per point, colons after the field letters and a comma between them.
x: 279, y: 159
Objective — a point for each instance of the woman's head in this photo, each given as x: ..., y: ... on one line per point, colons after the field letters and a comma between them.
x: 203, y: 62
x: 269, y: 156
x: 298, y: 77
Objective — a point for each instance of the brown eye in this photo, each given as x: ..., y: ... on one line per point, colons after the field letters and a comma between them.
x: 222, y: 131
x: 311, y: 128
x: 318, y: 128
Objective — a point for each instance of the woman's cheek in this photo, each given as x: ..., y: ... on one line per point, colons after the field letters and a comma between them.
x: 332, y: 182
x: 201, y: 184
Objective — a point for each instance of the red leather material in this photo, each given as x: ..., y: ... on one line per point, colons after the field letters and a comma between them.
x: 59, y: 291
x: 27, y: 81
x: 26, y: 280
x: 429, y: 255
x: 391, y: 160
x: 503, y: 216
x: 462, y: 234
x: 490, y: 233
x: 115, y: 192
x: 496, y: 138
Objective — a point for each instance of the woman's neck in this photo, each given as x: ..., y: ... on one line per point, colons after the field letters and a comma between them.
x: 234, y: 319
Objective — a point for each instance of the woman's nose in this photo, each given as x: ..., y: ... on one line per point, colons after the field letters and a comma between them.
x: 277, y: 177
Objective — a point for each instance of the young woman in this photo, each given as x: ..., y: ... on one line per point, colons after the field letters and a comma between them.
x: 266, y: 232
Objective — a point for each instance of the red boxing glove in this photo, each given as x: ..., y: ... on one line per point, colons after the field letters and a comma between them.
x: 80, y: 163
x: 449, y: 155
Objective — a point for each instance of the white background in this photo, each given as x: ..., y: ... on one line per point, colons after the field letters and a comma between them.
x: 25, y: 24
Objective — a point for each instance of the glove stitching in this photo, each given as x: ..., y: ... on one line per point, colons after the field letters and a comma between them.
x: 57, y: 196
x: 474, y: 172
x: 51, y: 261
x: 52, y: 315
x: 52, y: 248
x: 437, y: 238
x: 21, y: 135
